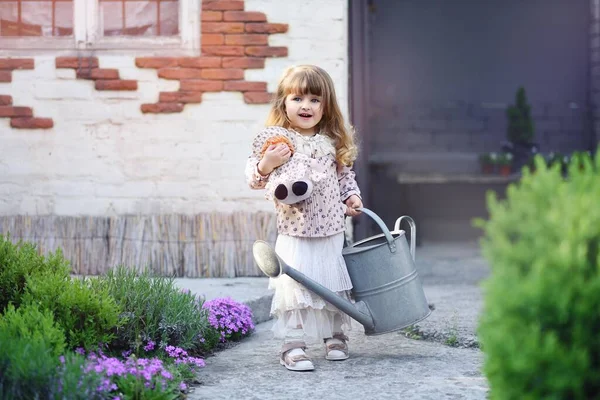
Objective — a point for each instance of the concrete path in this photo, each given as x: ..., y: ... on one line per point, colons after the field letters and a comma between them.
x: 437, y: 359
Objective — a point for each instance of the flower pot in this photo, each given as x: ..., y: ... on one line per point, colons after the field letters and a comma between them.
x: 487, y: 168
x: 505, y: 170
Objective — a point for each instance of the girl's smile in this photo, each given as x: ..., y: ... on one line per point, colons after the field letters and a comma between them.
x: 304, y: 112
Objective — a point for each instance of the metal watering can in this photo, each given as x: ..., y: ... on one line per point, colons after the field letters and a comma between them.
x: 386, y: 288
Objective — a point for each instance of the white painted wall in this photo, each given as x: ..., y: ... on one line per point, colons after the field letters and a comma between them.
x: 104, y: 157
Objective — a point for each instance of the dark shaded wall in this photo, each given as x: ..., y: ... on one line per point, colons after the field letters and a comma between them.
x: 443, y: 72
x: 440, y: 76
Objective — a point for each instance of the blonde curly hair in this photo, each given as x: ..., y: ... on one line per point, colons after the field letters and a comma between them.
x: 305, y: 79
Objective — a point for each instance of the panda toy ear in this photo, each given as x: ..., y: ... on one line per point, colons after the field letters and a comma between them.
x: 293, y: 192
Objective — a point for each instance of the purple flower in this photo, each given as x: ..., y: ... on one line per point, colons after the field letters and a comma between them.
x: 149, y: 346
x: 175, y: 352
x: 229, y: 317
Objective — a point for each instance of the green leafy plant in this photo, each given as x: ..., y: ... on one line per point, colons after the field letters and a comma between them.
x: 155, y: 310
x: 27, y: 367
x: 29, y: 323
x: 488, y: 158
x: 87, y: 315
x: 505, y: 159
x: 17, y: 262
x: 539, y: 326
x: 520, y: 124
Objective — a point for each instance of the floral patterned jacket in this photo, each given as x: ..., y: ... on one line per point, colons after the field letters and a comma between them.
x: 322, y: 214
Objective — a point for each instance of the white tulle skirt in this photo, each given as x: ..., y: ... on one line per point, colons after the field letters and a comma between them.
x: 295, y: 307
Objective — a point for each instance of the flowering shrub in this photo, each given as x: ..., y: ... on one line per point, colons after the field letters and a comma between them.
x: 233, y: 320
x: 140, y: 377
x: 150, y: 332
x: 153, y: 309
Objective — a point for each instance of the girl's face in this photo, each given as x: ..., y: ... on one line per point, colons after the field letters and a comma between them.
x: 304, y: 112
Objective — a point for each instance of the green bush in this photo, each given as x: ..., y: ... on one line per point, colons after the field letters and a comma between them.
x: 31, y: 324
x: 87, y: 315
x: 29, y: 370
x: 155, y: 310
x: 27, y: 367
x: 540, y: 323
x: 17, y: 261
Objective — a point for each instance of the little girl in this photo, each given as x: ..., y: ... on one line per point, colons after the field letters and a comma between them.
x: 311, y: 232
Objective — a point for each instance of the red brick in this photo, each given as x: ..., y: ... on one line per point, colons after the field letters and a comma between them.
x: 244, y: 16
x: 241, y: 40
x: 180, y: 97
x: 155, y: 62
x: 212, y: 16
x: 223, y: 50
x: 104, y: 73
x: 257, y: 97
x: 5, y: 76
x: 31, y: 123
x: 84, y: 73
x: 77, y: 62
x: 212, y: 39
x: 200, y: 62
x: 222, y: 74
x: 266, y: 28
x: 223, y: 5
x: 198, y: 85
x: 245, y: 86
x: 5, y: 100
x: 223, y: 27
x: 164, y: 108
x: 179, y: 73
x: 243, y: 62
x: 266, y: 51
x: 10, y: 111
x: 116, y: 84
x: 17, y: 63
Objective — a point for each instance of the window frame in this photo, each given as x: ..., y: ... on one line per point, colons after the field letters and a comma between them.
x: 88, y: 38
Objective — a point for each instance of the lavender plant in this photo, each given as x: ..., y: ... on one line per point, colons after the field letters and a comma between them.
x: 154, y: 309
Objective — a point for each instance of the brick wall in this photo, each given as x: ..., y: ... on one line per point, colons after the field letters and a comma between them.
x: 132, y: 134
x: 161, y: 141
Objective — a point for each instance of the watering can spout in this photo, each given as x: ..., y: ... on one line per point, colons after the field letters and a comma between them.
x: 273, y: 266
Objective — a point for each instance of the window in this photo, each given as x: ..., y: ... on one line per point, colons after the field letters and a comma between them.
x: 139, y: 18
x: 102, y: 25
x: 20, y: 18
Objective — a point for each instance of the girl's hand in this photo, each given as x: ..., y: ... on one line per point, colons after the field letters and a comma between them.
x: 275, y: 155
x: 352, y: 203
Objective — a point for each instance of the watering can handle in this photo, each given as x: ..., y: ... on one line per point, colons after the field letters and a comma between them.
x: 413, y: 232
x: 384, y: 229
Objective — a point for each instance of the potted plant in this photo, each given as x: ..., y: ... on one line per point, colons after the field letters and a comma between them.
x: 488, y: 162
x: 520, y: 129
x: 505, y: 163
